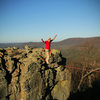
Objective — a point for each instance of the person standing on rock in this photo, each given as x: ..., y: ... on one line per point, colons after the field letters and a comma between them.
x: 47, y: 48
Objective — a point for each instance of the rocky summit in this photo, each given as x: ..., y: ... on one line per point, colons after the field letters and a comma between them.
x: 24, y: 75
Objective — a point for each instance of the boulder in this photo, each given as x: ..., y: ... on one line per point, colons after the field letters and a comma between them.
x: 30, y: 78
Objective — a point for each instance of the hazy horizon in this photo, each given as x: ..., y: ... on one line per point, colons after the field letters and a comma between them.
x: 53, y: 41
x: 31, y: 20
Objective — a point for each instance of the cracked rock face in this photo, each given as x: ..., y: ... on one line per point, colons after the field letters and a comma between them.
x: 24, y: 75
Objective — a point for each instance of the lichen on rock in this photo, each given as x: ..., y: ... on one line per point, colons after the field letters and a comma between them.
x: 25, y: 76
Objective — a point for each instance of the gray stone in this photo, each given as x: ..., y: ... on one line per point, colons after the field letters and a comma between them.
x: 30, y: 78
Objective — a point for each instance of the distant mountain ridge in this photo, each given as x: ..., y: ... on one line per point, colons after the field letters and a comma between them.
x: 67, y: 43
x: 72, y: 42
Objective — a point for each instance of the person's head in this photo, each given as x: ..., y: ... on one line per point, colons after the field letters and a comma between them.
x: 49, y: 39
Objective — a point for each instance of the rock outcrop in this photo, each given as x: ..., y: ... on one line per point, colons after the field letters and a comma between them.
x: 24, y: 75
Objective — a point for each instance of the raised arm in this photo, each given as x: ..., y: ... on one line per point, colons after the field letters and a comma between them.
x: 54, y: 37
x: 43, y: 41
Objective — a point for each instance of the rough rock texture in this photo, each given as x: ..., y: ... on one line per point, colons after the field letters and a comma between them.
x: 3, y: 83
x: 24, y: 75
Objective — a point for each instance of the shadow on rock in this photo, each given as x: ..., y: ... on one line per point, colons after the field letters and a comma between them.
x: 89, y: 94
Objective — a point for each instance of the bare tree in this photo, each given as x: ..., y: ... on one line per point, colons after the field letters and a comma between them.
x: 88, y: 62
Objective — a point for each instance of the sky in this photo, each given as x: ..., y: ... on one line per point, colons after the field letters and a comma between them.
x: 31, y: 20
